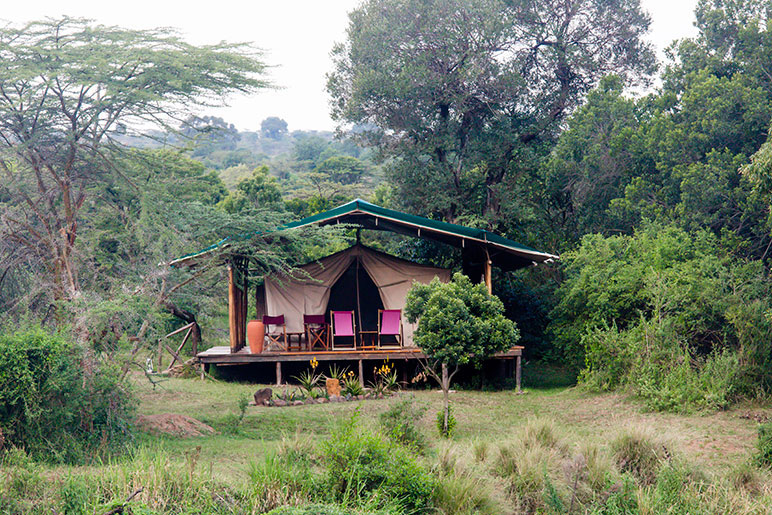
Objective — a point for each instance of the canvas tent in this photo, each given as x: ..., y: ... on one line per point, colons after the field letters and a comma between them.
x: 480, y: 251
x: 348, y: 272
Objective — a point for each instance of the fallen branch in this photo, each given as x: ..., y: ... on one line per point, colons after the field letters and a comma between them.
x: 119, y: 509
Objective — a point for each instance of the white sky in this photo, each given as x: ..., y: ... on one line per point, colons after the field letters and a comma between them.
x: 296, y: 35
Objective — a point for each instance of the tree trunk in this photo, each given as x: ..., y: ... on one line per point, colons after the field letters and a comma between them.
x: 445, y: 401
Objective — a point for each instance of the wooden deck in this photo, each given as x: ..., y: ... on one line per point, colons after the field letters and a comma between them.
x: 222, y: 355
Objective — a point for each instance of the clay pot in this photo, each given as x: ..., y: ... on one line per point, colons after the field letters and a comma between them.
x: 255, y: 336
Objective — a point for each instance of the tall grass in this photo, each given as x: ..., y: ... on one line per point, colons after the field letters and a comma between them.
x: 538, y: 469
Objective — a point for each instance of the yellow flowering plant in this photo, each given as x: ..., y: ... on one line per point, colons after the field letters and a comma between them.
x: 308, y: 379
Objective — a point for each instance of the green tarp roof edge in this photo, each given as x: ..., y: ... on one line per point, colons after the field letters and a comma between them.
x: 362, y: 206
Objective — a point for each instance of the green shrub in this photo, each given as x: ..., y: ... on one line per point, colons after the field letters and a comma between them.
x: 400, y: 423
x: 362, y: 465
x: 764, y: 445
x: 446, y: 433
x: 58, y: 402
x: 669, y: 314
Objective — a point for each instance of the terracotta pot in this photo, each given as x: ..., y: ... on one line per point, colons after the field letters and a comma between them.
x: 255, y: 336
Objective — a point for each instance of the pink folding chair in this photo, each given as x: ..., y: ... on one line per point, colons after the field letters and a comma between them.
x: 343, y: 327
x: 390, y: 324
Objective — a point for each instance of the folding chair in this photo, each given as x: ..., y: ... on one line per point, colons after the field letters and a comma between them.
x: 343, y: 327
x: 390, y: 324
x: 317, y: 331
x: 277, y: 335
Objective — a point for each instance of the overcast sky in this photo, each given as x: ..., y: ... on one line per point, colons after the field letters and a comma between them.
x: 296, y: 36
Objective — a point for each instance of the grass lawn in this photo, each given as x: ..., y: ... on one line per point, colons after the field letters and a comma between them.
x: 716, y: 442
x: 550, y: 450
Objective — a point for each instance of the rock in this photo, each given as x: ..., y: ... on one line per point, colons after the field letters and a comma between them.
x: 297, y: 403
x: 360, y: 397
x: 310, y: 401
x: 348, y: 397
x: 333, y: 387
x: 262, y: 396
x: 322, y: 400
x: 334, y: 398
x: 279, y: 402
x: 380, y: 396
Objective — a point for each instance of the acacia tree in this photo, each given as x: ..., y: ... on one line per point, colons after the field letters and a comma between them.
x: 68, y: 91
x: 458, y: 323
x: 462, y: 94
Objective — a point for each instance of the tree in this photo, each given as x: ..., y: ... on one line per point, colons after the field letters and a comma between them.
x: 460, y: 93
x: 458, y: 323
x: 342, y: 169
x: 67, y: 89
x: 260, y: 191
x: 273, y: 127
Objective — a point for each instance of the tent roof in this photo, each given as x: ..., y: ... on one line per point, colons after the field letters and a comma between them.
x: 503, y: 252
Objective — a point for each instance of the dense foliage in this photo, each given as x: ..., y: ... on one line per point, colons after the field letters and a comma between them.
x: 458, y: 322
x: 58, y: 402
x: 678, y: 316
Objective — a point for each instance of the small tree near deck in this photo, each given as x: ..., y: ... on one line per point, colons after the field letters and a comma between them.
x: 458, y: 323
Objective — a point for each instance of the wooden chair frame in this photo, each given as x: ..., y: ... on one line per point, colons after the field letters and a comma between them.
x: 279, y: 338
x: 317, y: 332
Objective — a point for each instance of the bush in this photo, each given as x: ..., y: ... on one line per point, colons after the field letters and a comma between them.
x: 361, y: 465
x: 399, y: 423
x: 637, y: 453
x: 669, y: 314
x: 446, y: 433
x: 764, y: 445
x: 58, y: 402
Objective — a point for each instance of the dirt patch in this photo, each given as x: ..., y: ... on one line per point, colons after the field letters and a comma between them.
x: 172, y: 424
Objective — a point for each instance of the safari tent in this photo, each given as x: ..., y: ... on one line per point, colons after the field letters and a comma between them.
x: 357, y: 279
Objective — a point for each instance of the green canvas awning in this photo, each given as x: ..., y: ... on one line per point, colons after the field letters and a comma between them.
x: 476, y: 244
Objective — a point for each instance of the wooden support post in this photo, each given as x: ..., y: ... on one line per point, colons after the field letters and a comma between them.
x: 278, y: 373
x: 517, y: 374
x: 503, y: 369
x: 244, y: 273
x: 487, y: 277
x: 160, y: 354
x: 232, y: 322
x: 361, y: 374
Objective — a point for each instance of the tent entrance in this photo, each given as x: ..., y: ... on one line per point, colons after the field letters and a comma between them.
x: 356, y: 284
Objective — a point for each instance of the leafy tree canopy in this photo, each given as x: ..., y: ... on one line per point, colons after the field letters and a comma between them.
x: 460, y: 92
x: 458, y: 322
x: 68, y: 88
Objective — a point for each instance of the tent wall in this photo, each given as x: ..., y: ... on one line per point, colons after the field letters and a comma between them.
x: 310, y: 294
